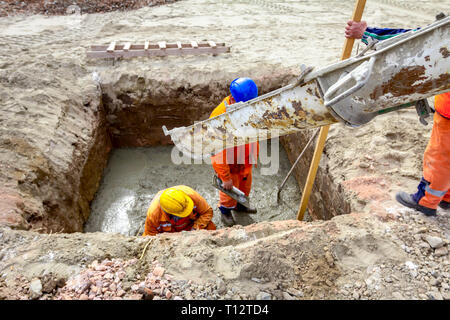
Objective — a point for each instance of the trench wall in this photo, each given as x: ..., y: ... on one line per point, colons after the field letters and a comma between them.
x: 53, y: 147
x: 327, y: 198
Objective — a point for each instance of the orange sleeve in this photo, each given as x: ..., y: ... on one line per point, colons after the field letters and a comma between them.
x: 220, y: 167
x: 152, y: 219
x: 219, y: 160
x: 204, y: 210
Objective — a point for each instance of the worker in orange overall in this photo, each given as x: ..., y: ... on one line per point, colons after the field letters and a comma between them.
x: 234, y: 165
x: 434, y: 187
x: 177, y: 209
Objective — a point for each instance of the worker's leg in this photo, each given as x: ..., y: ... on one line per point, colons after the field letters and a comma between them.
x: 447, y: 196
x: 226, y: 203
x: 435, y: 183
x: 245, y: 185
x: 445, y: 202
x: 436, y: 164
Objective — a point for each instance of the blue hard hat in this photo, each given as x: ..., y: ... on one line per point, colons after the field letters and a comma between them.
x: 243, y: 89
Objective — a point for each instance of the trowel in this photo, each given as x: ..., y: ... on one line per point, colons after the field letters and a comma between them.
x: 234, y: 193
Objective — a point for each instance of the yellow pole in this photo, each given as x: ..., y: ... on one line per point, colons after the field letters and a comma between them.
x: 346, y: 53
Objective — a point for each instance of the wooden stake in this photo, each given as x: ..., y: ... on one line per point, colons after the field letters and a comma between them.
x: 346, y: 53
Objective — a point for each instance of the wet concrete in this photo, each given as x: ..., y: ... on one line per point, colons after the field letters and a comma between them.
x: 134, y: 175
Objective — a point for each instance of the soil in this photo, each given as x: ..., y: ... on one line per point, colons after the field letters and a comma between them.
x: 59, y: 120
x: 64, y: 7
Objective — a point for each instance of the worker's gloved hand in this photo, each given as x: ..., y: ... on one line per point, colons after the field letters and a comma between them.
x: 355, y: 29
x: 228, y: 185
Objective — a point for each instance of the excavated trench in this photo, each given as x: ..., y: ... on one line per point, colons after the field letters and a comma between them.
x: 119, y: 121
x: 140, y: 163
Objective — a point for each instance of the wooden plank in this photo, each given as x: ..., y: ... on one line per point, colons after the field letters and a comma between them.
x: 151, y: 46
x: 111, y: 47
x: 127, y: 46
x: 147, y: 43
x: 194, y: 44
x: 320, y: 144
x: 212, y: 44
x: 162, y: 45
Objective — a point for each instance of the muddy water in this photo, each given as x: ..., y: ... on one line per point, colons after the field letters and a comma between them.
x: 134, y: 176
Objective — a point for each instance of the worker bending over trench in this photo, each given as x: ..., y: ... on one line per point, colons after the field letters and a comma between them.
x: 177, y: 209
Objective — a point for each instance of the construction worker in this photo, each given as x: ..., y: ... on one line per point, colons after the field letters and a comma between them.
x: 177, y: 209
x: 234, y: 165
x: 434, y: 187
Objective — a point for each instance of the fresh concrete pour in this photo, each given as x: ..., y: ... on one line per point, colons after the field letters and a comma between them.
x: 134, y: 176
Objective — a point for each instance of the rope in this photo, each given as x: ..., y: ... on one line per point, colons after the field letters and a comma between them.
x: 145, y: 248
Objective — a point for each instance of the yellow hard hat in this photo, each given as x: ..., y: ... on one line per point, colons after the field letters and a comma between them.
x: 176, y: 202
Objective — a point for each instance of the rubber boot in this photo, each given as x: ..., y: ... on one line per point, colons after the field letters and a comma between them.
x: 227, y: 217
x: 243, y: 209
x: 444, y: 205
x: 408, y: 201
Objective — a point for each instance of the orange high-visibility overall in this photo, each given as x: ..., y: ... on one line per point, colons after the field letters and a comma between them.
x: 158, y: 221
x: 436, y: 159
x: 234, y: 163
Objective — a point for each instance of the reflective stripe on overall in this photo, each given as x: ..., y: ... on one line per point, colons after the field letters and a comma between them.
x: 176, y: 224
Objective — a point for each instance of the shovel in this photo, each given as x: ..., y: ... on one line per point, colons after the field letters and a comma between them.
x: 234, y: 193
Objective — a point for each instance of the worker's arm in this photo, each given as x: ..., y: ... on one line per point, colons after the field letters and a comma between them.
x: 360, y: 30
x: 203, y: 209
x: 150, y: 229
x: 219, y: 163
x: 152, y: 219
x: 382, y: 33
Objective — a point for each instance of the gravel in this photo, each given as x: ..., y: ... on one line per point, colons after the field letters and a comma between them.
x: 434, y: 242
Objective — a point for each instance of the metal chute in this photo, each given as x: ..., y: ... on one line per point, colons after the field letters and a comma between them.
x: 401, y: 70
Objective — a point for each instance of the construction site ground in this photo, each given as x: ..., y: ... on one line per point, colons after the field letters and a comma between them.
x: 61, y: 114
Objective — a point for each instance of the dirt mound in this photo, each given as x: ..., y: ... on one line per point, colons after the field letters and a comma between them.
x: 356, y: 256
x: 63, y: 7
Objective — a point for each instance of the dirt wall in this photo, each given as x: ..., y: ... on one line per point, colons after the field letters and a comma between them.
x: 138, y: 104
x: 52, y: 156
x: 327, y: 198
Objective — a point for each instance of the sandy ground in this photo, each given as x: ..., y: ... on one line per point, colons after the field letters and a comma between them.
x: 45, y: 79
x: 134, y: 176
x: 63, y: 7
